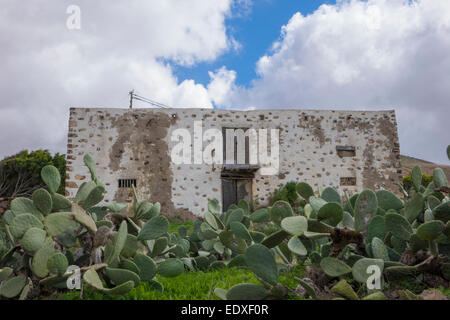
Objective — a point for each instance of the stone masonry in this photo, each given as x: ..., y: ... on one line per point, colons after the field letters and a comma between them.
x: 349, y: 150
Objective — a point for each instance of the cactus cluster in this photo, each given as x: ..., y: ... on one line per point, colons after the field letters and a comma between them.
x: 119, y: 245
x: 340, y: 240
x: 116, y: 245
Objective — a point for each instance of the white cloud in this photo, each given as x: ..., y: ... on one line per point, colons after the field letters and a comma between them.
x: 375, y: 54
x: 221, y: 84
x: 47, y: 68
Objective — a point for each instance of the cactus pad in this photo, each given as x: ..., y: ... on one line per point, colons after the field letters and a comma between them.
x: 121, y: 276
x: 376, y: 228
x: 240, y: 230
x: 220, y: 293
x: 231, y: 241
x: 274, y: 239
x: 12, y: 287
x: 398, y: 226
x: 379, y: 250
x: 146, y: 265
x: 57, y: 264
x: 365, y: 208
x: 442, y: 212
x: 22, y: 205
x: 42, y: 200
x: 334, y: 267
x: 234, y: 215
x: 131, y: 246
x: 170, y: 268
x: 129, y: 265
x: 39, y: 262
x: 21, y: 223
x: 50, y: 175
x: 280, y: 210
x: 95, y: 196
x: 430, y: 230
x: 260, y: 215
x: 33, y: 239
x: 119, y: 242
x: 359, y: 269
x: 296, y: 246
x: 83, y: 218
x: 154, y: 228
x: 262, y: 262
x: 60, y: 202
x: 211, y: 220
x: 439, y: 178
x: 214, y: 206
x: 304, y: 190
x: 246, y: 291
x: 5, y: 273
x: 330, y: 194
x: 59, y: 222
x: 330, y: 213
x: 159, y: 246
x: 345, y: 290
x: 91, y: 278
x: 387, y: 200
x: 296, y: 225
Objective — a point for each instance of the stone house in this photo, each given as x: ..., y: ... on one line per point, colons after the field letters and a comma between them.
x: 349, y: 150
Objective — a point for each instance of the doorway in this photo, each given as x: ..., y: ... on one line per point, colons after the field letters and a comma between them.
x: 234, y: 190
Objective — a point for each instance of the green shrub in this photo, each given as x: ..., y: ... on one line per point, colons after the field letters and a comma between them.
x: 407, y: 181
x: 287, y: 193
x: 20, y: 174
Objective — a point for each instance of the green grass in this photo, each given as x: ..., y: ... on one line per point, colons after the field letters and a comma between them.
x: 188, y: 286
x: 411, y: 284
x: 446, y: 292
x: 173, y: 226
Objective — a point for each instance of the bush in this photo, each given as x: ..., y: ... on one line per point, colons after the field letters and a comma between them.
x: 20, y: 173
x: 407, y: 181
x: 287, y: 193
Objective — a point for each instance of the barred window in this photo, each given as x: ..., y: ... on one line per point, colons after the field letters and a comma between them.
x: 348, y: 181
x: 127, y: 183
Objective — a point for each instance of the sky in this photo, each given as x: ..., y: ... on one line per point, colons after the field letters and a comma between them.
x: 225, y: 54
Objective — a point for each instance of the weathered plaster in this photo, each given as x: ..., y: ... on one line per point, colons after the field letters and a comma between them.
x: 136, y: 144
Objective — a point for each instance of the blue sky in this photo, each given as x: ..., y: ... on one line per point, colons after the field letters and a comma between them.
x: 255, y: 31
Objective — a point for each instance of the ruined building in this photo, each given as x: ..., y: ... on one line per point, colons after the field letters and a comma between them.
x: 349, y: 150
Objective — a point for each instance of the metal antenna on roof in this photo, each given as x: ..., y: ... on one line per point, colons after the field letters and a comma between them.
x: 131, y: 98
x: 144, y: 99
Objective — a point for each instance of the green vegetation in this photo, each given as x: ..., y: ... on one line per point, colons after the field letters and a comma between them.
x: 323, y: 248
x: 408, y: 184
x: 287, y: 193
x: 174, y: 226
x: 197, y: 285
x: 20, y: 173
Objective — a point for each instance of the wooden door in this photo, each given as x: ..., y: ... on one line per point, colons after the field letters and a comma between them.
x: 234, y: 190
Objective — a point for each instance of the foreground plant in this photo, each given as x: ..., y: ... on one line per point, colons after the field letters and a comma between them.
x: 344, y: 242
x: 42, y: 236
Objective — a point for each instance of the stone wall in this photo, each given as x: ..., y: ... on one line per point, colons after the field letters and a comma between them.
x: 136, y: 144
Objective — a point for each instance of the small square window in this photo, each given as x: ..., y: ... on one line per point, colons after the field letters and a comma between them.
x: 127, y: 183
x: 345, y: 151
x: 348, y: 181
